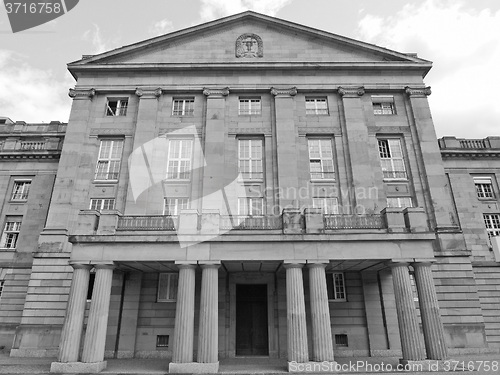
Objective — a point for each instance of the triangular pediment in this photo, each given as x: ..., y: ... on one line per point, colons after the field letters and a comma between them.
x: 262, y: 39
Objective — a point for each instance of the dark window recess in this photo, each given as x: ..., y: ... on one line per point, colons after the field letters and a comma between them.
x: 91, y: 286
x: 341, y: 340
x: 162, y: 341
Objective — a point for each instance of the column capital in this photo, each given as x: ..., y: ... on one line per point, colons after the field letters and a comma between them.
x: 148, y: 93
x: 293, y: 265
x: 418, y: 92
x: 104, y: 266
x: 81, y: 265
x: 216, y: 93
x: 399, y: 263
x: 208, y: 264
x: 351, y: 92
x: 422, y: 263
x: 317, y: 264
x: 292, y: 91
x: 81, y: 93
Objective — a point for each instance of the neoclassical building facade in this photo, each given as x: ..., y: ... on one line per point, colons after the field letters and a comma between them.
x: 255, y: 187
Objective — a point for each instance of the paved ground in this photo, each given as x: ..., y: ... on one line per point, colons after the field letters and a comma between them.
x: 473, y: 365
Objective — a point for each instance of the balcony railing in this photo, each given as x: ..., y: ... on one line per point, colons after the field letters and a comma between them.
x: 354, y: 222
x: 473, y: 143
x: 251, y: 222
x: 147, y: 222
x: 32, y: 145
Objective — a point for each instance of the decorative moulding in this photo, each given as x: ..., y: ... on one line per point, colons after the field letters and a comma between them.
x: 292, y: 91
x: 81, y: 94
x: 418, y: 92
x: 351, y: 92
x: 147, y: 93
x: 216, y: 92
x: 249, y: 45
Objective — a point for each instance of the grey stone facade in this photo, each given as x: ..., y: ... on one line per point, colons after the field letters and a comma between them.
x: 416, y: 282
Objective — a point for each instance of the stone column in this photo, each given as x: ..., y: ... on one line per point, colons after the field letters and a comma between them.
x: 95, y: 337
x: 320, y: 313
x: 209, y: 312
x: 411, y: 343
x: 69, y: 347
x: 429, y: 311
x: 182, y: 351
x: 296, y: 314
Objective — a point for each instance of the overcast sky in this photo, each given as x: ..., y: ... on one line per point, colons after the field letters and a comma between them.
x: 461, y: 37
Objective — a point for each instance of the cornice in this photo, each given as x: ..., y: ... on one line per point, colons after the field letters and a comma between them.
x: 470, y: 153
x: 418, y: 92
x: 292, y: 91
x: 148, y: 93
x: 351, y: 92
x: 220, y: 92
x: 81, y: 94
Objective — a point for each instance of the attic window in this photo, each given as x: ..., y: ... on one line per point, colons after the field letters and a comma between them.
x: 383, y: 105
x: 116, y: 107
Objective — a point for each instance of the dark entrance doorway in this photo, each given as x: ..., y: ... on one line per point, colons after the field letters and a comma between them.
x: 251, y: 320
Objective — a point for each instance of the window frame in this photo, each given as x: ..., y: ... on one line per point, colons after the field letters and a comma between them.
x: 109, y: 159
x: 386, y: 103
x: 177, y: 208
x: 171, y: 289
x: 121, y: 107
x: 321, y: 159
x: 317, y: 111
x: 333, y: 285
x: 480, y: 182
x: 250, y: 111
x: 400, y: 200
x: 2, y: 285
x: 492, y: 224
x: 179, y: 171
x: 250, y: 159
x: 24, y: 195
x: 14, y: 232
x: 325, y: 206
x: 103, y: 200
x: 184, y: 111
x: 250, y: 204
x: 392, y: 159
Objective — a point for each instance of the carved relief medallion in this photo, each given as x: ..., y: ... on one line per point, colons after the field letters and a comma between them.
x: 249, y: 45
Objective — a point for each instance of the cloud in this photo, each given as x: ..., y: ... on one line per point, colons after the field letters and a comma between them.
x: 94, y: 37
x: 32, y: 94
x: 213, y: 9
x: 464, y: 46
x: 161, y: 27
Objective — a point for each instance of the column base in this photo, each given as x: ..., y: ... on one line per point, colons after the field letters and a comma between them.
x: 424, y: 365
x: 78, y: 367
x: 193, y: 368
x: 325, y: 366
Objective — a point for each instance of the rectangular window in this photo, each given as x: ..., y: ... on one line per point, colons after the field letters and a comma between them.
x: 399, y: 202
x: 249, y: 106
x: 10, y: 233
x: 328, y: 205
x: 316, y: 106
x: 391, y: 159
x: 167, y: 287
x: 250, y: 206
x: 250, y: 159
x: 179, y: 159
x: 183, y: 107
x: 100, y: 204
x: 383, y: 105
x: 1, y: 288
x: 336, y: 286
x: 484, y: 187
x: 321, y: 159
x: 109, y: 160
x: 162, y: 341
x: 341, y: 340
x: 21, y: 190
x: 173, y: 206
x: 116, y: 107
x: 492, y: 223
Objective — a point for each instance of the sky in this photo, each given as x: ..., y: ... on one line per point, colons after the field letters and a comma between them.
x: 460, y: 37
